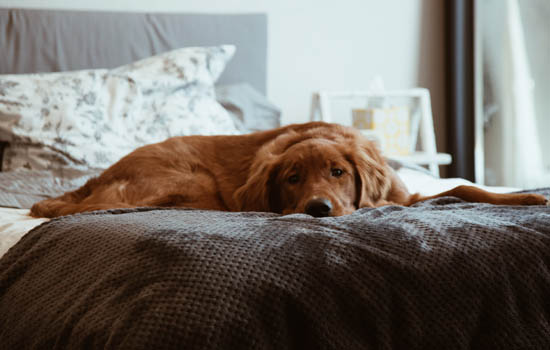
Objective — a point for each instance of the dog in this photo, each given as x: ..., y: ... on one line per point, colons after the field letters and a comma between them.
x: 315, y: 168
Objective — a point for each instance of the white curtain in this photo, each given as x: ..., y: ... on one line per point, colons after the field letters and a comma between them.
x: 513, y: 150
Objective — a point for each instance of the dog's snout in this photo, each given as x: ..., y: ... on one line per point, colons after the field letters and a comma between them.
x: 319, y: 207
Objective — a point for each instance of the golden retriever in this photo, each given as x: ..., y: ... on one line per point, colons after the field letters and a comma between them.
x: 314, y: 168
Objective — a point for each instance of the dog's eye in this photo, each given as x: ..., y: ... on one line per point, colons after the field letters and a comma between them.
x: 293, y: 179
x: 336, y: 172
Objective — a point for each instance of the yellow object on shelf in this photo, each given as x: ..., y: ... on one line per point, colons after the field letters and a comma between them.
x: 391, y: 124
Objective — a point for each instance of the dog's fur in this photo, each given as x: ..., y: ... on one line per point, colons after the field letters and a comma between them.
x: 316, y: 168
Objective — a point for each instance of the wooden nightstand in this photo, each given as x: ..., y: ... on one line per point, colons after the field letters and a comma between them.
x: 424, y: 152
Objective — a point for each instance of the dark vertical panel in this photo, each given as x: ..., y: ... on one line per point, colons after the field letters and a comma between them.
x: 460, y: 90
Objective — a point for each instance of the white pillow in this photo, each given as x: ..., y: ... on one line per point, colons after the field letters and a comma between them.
x: 91, y: 118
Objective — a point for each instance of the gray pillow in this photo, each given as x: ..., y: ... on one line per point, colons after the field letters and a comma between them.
x: 250, y: 109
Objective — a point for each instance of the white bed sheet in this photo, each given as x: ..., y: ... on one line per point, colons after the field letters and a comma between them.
x: 427, y: 185
x: 14, y: 223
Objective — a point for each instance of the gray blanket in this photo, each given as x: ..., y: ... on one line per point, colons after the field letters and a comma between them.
x: 21, y: 189
x: 443, y: 274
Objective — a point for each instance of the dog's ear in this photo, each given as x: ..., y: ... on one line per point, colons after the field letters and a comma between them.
x: 372, y: 175
x: 258, y: 193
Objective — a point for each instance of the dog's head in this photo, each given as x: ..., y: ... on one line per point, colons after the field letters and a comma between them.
x: 328, y: 170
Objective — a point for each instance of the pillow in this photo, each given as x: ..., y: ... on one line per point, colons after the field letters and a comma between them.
x: 250, y: 110
x: 91, y: 118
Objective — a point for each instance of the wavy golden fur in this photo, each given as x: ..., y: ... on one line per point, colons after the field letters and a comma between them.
x: 316, y: 168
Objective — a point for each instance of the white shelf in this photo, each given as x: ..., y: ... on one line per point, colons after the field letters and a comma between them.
x: 428, y: 156
x: 424, y: 158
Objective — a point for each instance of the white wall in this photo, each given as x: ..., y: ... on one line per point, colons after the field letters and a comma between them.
x: 325, y: 44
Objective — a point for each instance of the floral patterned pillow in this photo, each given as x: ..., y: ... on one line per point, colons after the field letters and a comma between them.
x: 91, y: 118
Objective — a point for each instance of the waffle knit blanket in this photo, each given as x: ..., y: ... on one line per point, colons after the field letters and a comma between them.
x: 443, y: 274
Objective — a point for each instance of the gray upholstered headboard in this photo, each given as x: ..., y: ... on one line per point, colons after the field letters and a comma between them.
x: 51, y: 40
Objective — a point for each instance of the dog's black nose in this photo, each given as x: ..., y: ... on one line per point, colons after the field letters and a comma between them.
x: 319, y: 207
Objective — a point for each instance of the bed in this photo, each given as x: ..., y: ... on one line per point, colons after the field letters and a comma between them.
x: 440, y: 274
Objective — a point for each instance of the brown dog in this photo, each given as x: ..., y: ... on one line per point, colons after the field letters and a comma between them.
x: 315, y: 168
